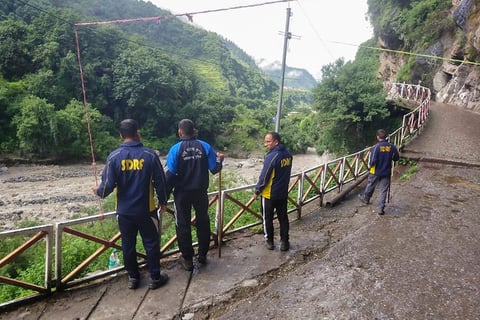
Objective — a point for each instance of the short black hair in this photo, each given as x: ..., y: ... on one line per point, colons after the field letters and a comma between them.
x: 128, y: 128
x: 275, y: 136
x: 382, y: 134
x: 187, y: 127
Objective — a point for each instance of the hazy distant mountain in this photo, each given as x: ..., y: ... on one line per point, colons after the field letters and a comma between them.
x: 294, y: 77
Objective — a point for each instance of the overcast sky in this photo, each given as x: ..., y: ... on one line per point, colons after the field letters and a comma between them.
x: 327, y: 30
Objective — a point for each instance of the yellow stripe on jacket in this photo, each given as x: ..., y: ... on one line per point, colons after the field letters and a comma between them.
x: 266, y: 193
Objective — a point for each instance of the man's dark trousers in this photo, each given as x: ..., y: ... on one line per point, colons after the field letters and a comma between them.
x: 184, y: 201
x: 147, y: 225
x: 268, y: 208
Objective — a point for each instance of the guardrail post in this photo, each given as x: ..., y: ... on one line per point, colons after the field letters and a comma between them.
x: 48, y: 260
x: 299, y: 195
x: 341, y: 174
x: 58, y: 256
x: 220, y: 206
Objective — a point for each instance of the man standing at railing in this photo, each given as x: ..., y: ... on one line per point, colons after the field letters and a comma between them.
x: 272, y: 186
x: 188, y: 164
x: 380, y: 164
x: 135, y: 172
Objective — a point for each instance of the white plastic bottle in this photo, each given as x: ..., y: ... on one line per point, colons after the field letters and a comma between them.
x: 113, y: 260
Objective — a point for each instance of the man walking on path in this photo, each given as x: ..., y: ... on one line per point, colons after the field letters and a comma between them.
x: 188, y: 164
x: 272, y: 185
x: 136, y: 172
x: 380, y: 164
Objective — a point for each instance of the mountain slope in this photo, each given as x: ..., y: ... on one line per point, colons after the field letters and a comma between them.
x: 205, y: 51
x: 294, y: 77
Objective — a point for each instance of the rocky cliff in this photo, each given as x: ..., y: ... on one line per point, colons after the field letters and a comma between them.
x: 454, y: 77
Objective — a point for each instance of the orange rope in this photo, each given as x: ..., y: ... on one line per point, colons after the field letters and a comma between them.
x: 189, y: 15
x: 87, y: 115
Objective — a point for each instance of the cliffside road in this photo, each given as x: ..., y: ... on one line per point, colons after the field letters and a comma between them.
x: 421, y: 260
x: 451, y: 136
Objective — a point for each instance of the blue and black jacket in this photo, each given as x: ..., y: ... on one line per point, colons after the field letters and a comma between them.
x: 275, y: 176
x: 381, y: 157
x: 188, y: 164
x: 135, y: 172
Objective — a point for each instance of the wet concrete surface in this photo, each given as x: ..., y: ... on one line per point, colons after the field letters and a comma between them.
x: 421, y: 260
x: 451, y: 135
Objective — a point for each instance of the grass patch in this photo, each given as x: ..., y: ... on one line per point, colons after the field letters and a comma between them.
x: 412, y: 168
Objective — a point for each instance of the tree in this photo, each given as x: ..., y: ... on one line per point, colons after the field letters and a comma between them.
x: 150, y: 86
x: 36, y: 126
x: 16, y: 54
x: 10, y: 94
x: 210, y: 114
x: 294, y: 138
x: 350, y: 101
x: 73, y: 138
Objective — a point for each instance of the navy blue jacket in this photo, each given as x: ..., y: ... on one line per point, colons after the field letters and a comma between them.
x: 135, y: 172
x: 275, y: 176
x: 381, y: 157
x: 188, y: 164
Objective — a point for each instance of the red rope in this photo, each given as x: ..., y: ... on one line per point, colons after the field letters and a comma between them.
x: 87, y: 115
x: 189, y: 15
x: 81, y: 24
x: 235, y: 8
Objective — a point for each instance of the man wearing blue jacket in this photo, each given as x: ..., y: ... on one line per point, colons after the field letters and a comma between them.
x: 188, y: 164
x: 135, y: 173
x: 380, y: 164
x: 272, y: 186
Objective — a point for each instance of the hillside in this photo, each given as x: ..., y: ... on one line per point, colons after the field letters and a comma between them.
x: 156, y: 71
x: 435, y: 42
x: 211, y: 56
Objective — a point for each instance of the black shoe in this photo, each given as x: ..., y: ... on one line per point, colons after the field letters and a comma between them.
x: 269, y: 244
x: 133, y: 283
x: 381, y: 212
x: 284, y: 246
x: 157, y: 283
x: 187, y: 264
x: 202, y: 259
x: 360, y: 196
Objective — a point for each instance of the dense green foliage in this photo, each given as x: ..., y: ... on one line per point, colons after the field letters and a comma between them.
x: 155, y: 73
x: 159, y: 74
x: 350, y: 105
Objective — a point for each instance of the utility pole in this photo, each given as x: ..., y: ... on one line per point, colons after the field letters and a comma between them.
x: 287, y: 36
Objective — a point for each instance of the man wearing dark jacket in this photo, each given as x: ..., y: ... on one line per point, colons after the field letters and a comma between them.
x: 188, y: 164
x: 380, y: 164
x: 135, y: 172
x: 272, y: 186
